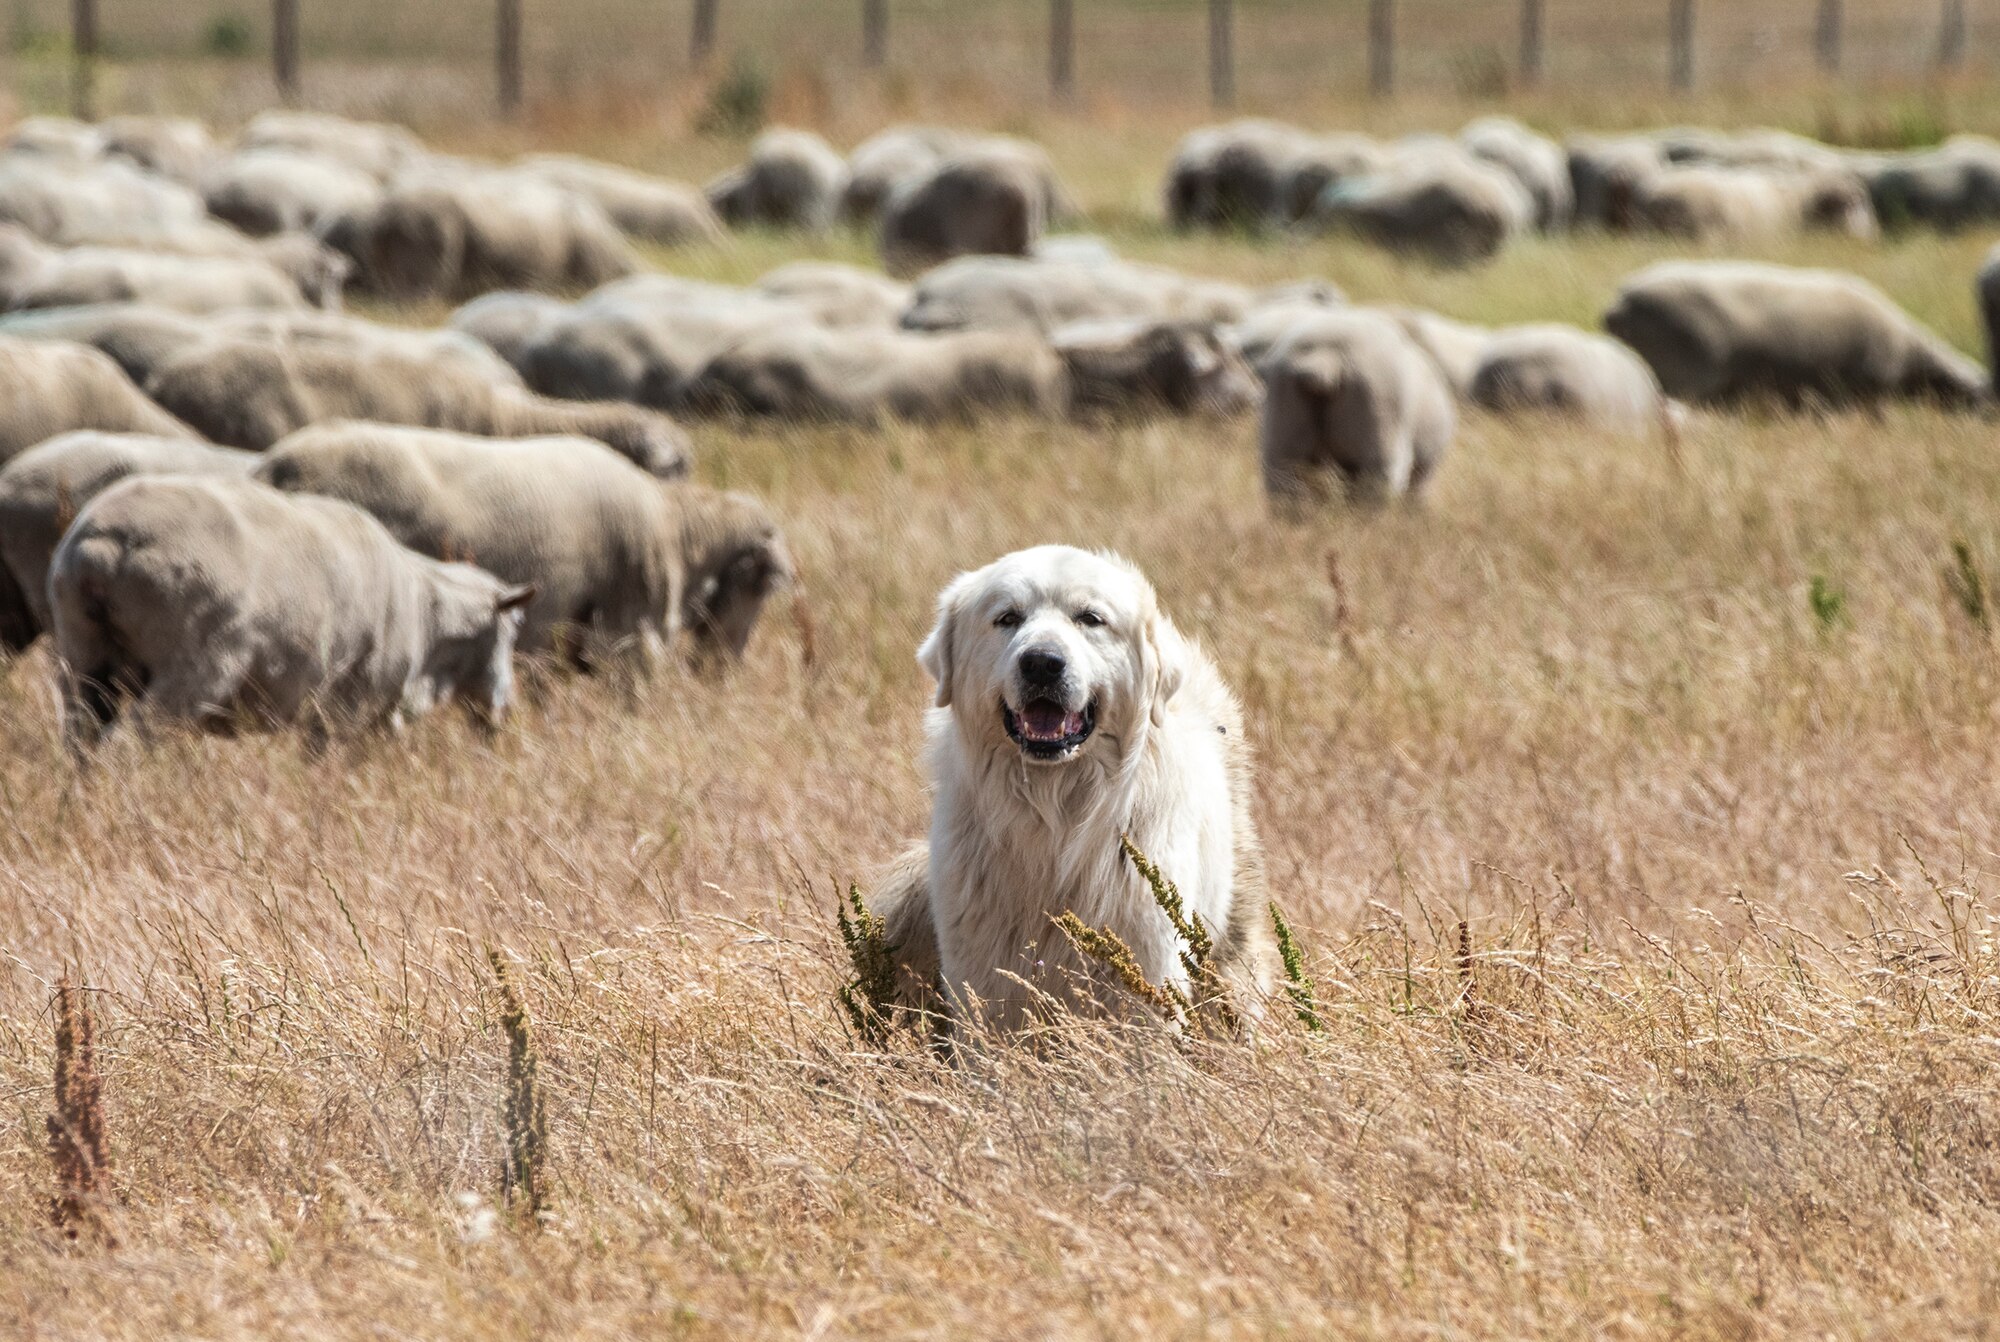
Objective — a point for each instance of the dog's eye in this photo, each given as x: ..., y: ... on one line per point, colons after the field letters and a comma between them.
x: 1089, y: 619
x: 1007, y: 619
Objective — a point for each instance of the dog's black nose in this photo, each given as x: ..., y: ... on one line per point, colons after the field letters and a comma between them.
x: 1040, y: 667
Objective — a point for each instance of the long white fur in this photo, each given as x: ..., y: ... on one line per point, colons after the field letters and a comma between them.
x: 1014, y: 843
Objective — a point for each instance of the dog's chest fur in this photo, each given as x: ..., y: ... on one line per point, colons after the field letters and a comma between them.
x: 1013, y: 846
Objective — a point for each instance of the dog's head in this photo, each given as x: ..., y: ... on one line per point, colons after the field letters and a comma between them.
x: 1054, y: 652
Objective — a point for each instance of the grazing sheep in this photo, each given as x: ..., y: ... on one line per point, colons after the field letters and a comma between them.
x: 1987, y: 289
x: 137, y: 338
x: 885, y: 161
x: 1235, y: 175
x: 1761, y: 148
x: 837, y: 295
x: 801, y: 371
x: 1728, y: 331
x: 51, y: 387
x: 457, y: 232
x: 1442, y: 204
x: 113, y: 204
x: 621, y: 562
x: 1603, y: 170
x: 1352, y: 406
x: 142, y: 338
x: 641, y: 339
x: 1536, y: 162
x: 34, y: 275
x: 1253, y: 334
x: 1325, y: 161
x: 1455, y: 347
x: 793, y: 179
x: 275, y: 190
x: 251, y: 392
x: 220, y: 602
x: 509, y: 322
x: 1178, y: 367
x: 1952, y: 187
x: 177, y: 148
x: 375, y: 148
x: 72, y: 203
x: 1004, y: 293
x: 43, y: 489
x: 650, y: 208
x: 1563, y: 371
x: 1709, y: 203
x: 55, y: 137
x: 991, y: 198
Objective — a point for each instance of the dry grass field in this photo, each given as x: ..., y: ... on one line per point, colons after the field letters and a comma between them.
x: 1699, y: 753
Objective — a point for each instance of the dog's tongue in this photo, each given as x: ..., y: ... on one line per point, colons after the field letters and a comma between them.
x: 1044, y: 721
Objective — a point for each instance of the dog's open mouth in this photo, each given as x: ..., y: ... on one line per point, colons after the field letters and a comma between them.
x: 1045, y: 730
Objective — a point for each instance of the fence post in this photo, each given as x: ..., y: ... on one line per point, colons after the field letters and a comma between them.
x: 1531, y: 43
x: 83, y: 67
x: 507, y: 55
x: 1062, y: 49
x: 1222, y: 53
x: 285, y: 48
x: 1680, y: 37
x: 1381, y: 47
x: 1951, y: 35
x: 874, y: 33
x: 1826, y: 36
x: 701, y: 38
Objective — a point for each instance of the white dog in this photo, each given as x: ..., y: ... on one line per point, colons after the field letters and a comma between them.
x: 1070, y: 711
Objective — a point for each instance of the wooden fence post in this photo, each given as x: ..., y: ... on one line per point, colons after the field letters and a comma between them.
x: 1062, y: 49
x: 83, y: 67
x: 1381, y: 47
x: 507, y: 55
x: 1222, y: 53
x: 1826, y: 36
x: 285, y: 48
x: 874, y: 33
x: 1531, y: 43
x: 1680, y: 38
x: 701, y: 37
x: 1951, y: 35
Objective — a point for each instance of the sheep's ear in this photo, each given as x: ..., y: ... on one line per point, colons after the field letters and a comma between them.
x: 1167, y: 652
x: 936, y: 656
x: 515, y: 598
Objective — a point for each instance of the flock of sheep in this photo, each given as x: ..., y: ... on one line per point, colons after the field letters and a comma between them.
x: 227, y: 499
x: 1463, y: 198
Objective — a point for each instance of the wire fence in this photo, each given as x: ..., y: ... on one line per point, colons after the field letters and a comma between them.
x: 1254, y: 54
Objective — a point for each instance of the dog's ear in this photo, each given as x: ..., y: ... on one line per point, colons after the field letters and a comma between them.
x: 1167, y: 655
x: 936, y: 655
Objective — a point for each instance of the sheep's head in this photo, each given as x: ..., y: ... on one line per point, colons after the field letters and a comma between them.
x: 736, y: 558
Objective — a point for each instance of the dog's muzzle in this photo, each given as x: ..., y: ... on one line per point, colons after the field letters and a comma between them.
x: 1047, y: 730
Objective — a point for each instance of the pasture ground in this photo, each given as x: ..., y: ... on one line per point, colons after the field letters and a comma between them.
x: 1700, y: 753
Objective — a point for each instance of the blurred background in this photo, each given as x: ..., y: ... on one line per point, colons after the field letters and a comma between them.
x: 727, y: 65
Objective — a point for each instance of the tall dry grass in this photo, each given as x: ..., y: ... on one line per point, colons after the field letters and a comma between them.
x: 1698, y: 756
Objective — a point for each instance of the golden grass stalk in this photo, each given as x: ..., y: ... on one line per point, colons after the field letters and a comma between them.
x: 869, y: 998
x: 1109, y: 949
x: 1967, y: 586
x: 1198, y: 946
x: 523, y: 1176
x: 76, y: 1128
x: 1298, y: 984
